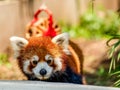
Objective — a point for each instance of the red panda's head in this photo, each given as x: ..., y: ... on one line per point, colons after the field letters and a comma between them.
x: 41, y: 56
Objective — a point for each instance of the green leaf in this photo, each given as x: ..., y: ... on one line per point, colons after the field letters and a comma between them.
x: 117, y: 83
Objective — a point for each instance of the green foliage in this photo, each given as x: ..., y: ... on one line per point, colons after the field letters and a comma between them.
x: 117, y: 75
x: 3, y: 58
x: 114, y: 55
x: 93, y: 26
x: 100, y: 78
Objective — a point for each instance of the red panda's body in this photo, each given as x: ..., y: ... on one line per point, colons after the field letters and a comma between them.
x: 46, y: 59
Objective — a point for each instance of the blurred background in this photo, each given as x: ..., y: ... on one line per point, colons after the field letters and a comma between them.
x: 90, y: 24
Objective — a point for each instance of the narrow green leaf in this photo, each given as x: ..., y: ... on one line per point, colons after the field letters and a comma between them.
x: 117, y: 83
x: 111, y: 65
x: 118, y: 57
x: 118, y: 72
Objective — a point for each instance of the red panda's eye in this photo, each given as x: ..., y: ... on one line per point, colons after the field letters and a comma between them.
x: 49, y: 61
x: 34, y: 62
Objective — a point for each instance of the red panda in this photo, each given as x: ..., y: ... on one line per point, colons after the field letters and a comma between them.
x: 49, y: 59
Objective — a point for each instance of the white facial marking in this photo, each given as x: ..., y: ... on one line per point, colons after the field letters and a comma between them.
x: 25, y: 66
x: 42, y: 65
x: 57, y: 61
x: 48, y: 57
x: 35, y: 58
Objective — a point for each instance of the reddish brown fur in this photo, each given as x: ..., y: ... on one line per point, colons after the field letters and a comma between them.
x: 40, y: 47
x: 75, y: 60
x: 43, y: 45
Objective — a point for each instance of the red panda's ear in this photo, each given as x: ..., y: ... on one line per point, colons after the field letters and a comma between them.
x: 17, y: 44
x: 63, y: 41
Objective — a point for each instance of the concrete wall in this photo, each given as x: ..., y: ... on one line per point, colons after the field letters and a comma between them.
x: 9, y: 22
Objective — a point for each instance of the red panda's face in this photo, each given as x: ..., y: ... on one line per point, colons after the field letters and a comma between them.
x: 42, y: 68
x: 41, y: 56
x: 41, y: 59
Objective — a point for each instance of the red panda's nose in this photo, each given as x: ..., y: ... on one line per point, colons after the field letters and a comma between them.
x: 43, y: 72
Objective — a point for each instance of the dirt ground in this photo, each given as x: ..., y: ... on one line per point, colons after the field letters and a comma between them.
x: 96, y: 64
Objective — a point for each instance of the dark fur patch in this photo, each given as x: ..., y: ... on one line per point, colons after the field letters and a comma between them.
x: 67, y: 76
